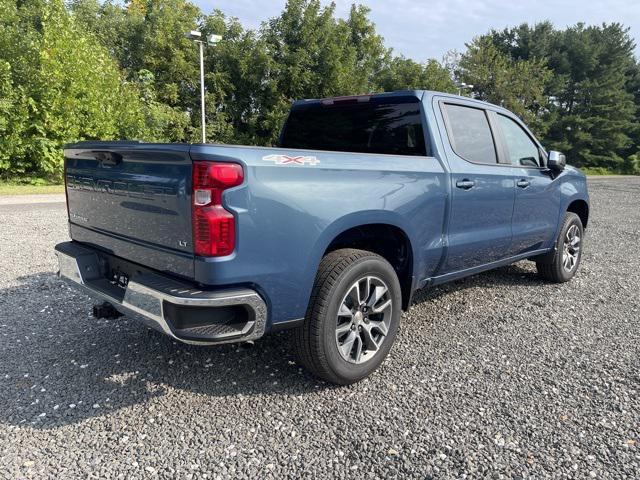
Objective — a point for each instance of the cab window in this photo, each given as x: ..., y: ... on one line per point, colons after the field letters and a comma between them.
x: 470, y: 134
x: 384, y: 126
x: 521, y: 148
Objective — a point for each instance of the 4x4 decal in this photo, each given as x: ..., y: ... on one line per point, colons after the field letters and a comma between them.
x: 291, y: 160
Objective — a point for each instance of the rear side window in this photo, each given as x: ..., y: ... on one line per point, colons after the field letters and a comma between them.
x: 522, y: 150
x: 470, y: 134
x: 356, y: 126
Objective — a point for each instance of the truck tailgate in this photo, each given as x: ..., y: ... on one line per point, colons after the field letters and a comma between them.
x: 132, y: 200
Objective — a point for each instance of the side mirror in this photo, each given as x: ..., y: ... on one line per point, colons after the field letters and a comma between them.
x: 556, y: 161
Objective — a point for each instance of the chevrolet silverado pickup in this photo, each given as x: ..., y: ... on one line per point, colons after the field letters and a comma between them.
x: 365, y: 200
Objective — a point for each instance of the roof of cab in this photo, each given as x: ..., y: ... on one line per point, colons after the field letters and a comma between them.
x: 397, y: 94
x: 428, y: 94
x: 419, y: 94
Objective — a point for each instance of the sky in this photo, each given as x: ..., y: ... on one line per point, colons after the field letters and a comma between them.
x: 422, y: 29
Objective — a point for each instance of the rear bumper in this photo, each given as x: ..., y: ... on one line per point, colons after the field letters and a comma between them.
x: 170, y: 306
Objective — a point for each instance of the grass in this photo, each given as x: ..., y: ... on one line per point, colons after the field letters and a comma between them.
x: 7, y: 188
x: 597, y: 171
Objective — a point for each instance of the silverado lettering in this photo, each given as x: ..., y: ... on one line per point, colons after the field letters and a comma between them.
x: 131, y: 189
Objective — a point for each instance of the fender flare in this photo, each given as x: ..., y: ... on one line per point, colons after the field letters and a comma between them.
x: 347, y: 222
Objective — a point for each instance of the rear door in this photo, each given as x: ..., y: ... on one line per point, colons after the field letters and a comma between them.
x: 133, y: 200
x: 536, y: 208
x: 482, y: 190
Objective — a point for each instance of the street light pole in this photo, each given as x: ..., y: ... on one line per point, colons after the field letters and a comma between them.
x: 204, y: 129
x: 196, y: 36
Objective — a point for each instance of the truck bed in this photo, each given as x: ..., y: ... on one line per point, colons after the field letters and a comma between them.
x: 134, y: 201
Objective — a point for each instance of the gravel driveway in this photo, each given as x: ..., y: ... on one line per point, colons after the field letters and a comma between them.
x: 500, y: 375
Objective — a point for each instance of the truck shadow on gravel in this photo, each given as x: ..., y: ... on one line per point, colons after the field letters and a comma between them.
x: 59, y: 366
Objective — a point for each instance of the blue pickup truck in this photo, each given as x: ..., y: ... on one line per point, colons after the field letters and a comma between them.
x: 365, y: 200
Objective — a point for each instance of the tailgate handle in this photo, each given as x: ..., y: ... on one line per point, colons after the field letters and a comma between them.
x: 108, y: 159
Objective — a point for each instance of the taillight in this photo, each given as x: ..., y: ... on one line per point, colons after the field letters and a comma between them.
x: 214, y: 228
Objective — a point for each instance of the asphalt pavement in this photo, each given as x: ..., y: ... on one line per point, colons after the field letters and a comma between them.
x: 500, y: 375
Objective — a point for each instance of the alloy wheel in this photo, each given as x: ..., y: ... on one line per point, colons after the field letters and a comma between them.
x: 571, y: 248
x: 363, y: 319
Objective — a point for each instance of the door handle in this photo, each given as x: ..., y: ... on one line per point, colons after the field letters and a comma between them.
x: 522, y: 183
x: 465, y: 184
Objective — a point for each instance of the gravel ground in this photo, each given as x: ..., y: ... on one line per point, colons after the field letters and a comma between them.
x: 499, y: 375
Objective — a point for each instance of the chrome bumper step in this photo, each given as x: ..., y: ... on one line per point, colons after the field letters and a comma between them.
x: 164, y: 303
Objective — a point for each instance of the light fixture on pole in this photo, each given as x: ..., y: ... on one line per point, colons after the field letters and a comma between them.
x: 196, y: 36
x: 463, y: 86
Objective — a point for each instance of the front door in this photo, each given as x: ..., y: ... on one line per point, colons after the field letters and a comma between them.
x: 482, y: 190
x: 537, y: 203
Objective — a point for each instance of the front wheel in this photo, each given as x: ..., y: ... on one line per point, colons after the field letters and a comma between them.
x: 562, y: 264
x: 352, y: 319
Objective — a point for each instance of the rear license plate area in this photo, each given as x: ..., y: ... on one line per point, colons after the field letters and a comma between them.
x: 115, y: 271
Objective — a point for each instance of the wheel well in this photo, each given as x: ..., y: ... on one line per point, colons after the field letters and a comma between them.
x: 389, y: 242
x: 580, y: 208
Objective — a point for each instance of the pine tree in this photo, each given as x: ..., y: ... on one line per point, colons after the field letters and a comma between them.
x: 592, y: 113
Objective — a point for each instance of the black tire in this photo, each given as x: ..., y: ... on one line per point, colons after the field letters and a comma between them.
x: 552, y: 267
x: 316, y: 340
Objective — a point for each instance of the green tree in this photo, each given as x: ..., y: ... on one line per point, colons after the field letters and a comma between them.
x: 595, y: 113
x: 15, y: 106
x: 63, y: 87
x: 162, y: 121
x: 148, y: 37
x: 237, y: 81
x: 14, y: 115
x: 366, y: 57
x: 631, y: 163
x: 314, y: 55
x: 592, y: 112
x: 516, y: 84
x: 405, y: 74
x: 306, y: 45
x: 107, y: 69
x: 251, y: 76
x: 118, y: 26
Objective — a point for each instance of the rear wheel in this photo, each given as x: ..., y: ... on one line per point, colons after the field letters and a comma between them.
x: 562, y: 265
x: 352, y: 319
